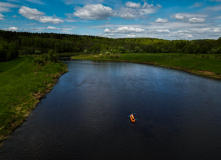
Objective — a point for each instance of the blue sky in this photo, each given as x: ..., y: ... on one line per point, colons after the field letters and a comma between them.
x: 171, y: 19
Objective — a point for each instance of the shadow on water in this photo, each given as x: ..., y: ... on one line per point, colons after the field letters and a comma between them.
x: 85, y: 116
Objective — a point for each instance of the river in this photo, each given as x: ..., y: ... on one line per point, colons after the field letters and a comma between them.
x: 85, y: 116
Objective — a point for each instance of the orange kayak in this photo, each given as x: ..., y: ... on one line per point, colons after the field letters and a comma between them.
x: 132, y: 118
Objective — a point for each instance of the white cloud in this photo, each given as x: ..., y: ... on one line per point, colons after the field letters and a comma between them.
x: 160, y: 20
x: 34, y: 14
x: 214, y: 8
x: 179, y: 16
x: 52, y: 28
x: 219, y: 17
x: 191, y: 17
x: 133, y: 5
x: 176, y: 26
x: 1, y: 16
x: 141, y: 12
x: 94, y: 12
x: 196, y: 20
x: 69, y: 2
x: 146, y: 5
x: 124, y: 30
x: 5, y: 7
x: 11, y: 29
x: 216, y: 0
x: 31, y: 13
x: 100, y: 12
x: 47, y: 19
x: 163, y: 31
x: 183, y: 34
x: 186, y: 36
x: 70, y: 20
x: 172, y: 26
x: 131, y: 35
x: 169, y: 30
x: 64, y: 29
x: 216, y: 30
x: 159, y: 6
x: 36, y: 1
x: 128, y: 13
x: 183, y: 31
x: 205, y: 30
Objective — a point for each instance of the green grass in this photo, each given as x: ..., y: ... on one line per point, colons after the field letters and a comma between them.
x: 206, y: 65
x: 67, y: 54
x: 22, y: 83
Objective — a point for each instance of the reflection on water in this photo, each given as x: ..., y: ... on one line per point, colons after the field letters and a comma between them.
x: 85, y: 116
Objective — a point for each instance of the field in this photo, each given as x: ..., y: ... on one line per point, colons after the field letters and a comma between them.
x: 22, y: 85
x: 201, y: 64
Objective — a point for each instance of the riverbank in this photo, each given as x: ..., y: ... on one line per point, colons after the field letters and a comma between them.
x: 199, y: 64
x: 23, y: 84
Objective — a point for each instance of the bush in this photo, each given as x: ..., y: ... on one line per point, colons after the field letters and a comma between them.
x: 53, y: 57
x: 39, y: 61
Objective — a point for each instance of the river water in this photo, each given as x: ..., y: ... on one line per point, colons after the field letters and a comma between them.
x: 85, y: 116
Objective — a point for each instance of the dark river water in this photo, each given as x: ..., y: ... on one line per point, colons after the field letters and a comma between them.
x: 85, y: 116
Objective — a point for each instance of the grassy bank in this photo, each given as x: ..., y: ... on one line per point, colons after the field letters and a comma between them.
x: 200, y: 64
x: 22, y: 85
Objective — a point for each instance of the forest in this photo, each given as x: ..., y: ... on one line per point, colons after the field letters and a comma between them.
x: 13, y: 44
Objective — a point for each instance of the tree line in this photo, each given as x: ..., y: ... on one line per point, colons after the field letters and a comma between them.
x: 13, y: 44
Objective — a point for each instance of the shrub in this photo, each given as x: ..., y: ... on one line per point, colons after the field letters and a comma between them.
x: 39, y: 61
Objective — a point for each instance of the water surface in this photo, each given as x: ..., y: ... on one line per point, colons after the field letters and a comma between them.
x: 85, y: 116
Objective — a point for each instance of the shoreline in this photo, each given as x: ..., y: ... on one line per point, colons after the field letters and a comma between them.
x: 37, y: 97
x: 207, y: 74
x: 204, y: 73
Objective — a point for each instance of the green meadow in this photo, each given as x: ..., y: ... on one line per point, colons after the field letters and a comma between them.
x: 22, y: 84
x: 201, y: 64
